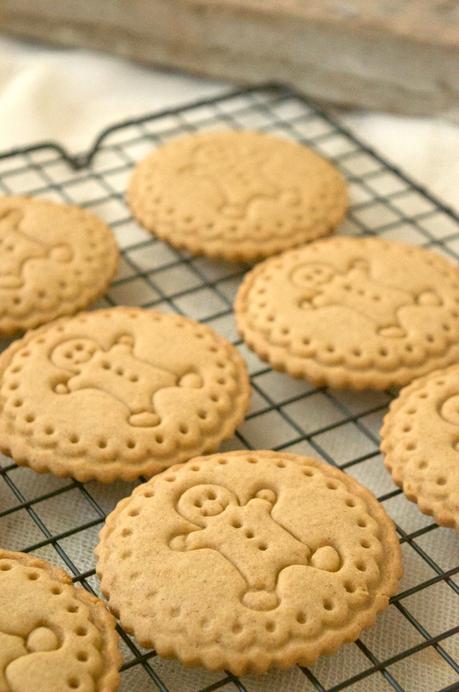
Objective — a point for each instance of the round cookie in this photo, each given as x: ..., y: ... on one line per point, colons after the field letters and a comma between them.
x: 54, y: 260
x: 118, y: 393
x: 248, y: 560
x: 53, y: 636
x: 236, y: 195
x: 420, y: 438
x: 352, y: 312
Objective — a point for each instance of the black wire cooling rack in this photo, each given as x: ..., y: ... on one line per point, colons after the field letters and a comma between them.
x: 414, y: 645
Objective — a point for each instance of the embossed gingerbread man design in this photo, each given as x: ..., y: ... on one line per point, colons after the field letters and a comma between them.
x: 18, y: 653
x: 357, y: 290
x: 118, y: 372
x: 232, y: 172
x: 17, y: 248
x: 249, y: 538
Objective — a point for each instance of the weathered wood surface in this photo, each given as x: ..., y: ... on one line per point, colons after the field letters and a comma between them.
x: 397, y: 55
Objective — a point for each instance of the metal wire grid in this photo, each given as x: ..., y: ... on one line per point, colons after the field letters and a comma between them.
x: 413, y: 645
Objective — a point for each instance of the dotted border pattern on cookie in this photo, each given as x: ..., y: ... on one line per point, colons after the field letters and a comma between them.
x: 259, y: 660
x: 87, y: 295
x: 334, y: 376
x: 246, y: 251
x: 427, y: 505
x: 23, y: 455
x: 103, y: 619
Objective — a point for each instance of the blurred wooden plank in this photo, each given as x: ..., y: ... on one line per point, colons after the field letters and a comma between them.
x: 397, y: 55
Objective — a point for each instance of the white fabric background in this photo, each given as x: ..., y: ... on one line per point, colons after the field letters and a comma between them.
x: 70, y: 95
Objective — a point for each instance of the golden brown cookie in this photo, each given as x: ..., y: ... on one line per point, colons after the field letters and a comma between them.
x: 420, y: 438
x: 237, y: 195
x: 53, y: 636
x: 54, y: 260
x: 352, y: 312
x: 118, y: 393
x: 248, y: 560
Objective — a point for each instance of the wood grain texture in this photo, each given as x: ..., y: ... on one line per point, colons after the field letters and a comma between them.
x: 394, y: 55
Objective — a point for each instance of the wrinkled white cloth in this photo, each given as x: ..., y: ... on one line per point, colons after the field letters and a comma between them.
x: 69, y: 95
